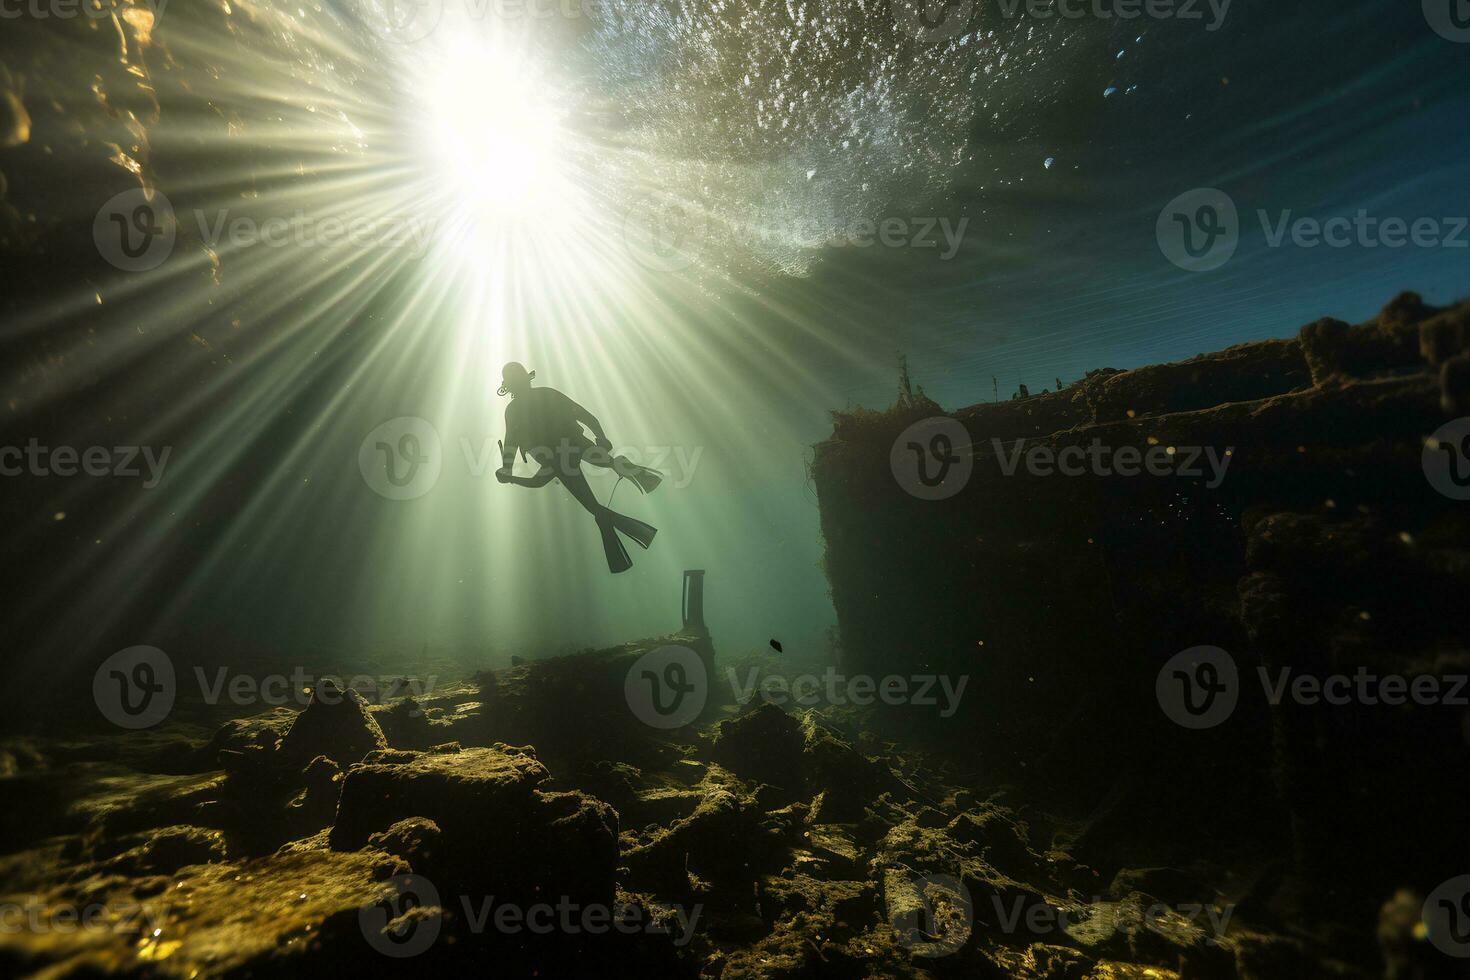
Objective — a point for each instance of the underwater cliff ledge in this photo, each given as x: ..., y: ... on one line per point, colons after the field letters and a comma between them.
x: 1295, y: 528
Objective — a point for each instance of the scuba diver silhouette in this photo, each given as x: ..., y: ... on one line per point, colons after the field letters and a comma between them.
x: 547, y: 424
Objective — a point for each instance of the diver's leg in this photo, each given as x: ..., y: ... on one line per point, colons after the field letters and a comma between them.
x: 612, y: 546
x: 631, y: 526
x: 573, y: 479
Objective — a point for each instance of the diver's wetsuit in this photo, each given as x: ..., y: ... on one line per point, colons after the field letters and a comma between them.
x: 547, y: 425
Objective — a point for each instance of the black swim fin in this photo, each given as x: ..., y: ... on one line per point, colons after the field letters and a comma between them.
x: 646, y: 479
x: 635, y: 529
x: 617, y: 556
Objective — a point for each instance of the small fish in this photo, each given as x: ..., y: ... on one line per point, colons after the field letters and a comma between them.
x: 516, y: 661
x: 776, y: 645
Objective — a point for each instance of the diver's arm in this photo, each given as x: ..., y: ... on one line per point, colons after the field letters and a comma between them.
x: 508, y: 461
x: 508, y: 449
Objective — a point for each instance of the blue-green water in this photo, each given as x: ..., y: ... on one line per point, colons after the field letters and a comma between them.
x: 1024, y: 161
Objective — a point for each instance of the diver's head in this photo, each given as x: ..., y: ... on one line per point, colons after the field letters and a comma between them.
x: 515, y: 379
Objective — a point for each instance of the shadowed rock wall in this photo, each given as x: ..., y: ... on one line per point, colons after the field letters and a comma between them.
x: 1323, y: 548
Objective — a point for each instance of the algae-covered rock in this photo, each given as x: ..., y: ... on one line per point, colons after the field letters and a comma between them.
x: 498, y: 831
x: 166, y: 850
x: 316, y: 805
x: 263, y: 731
x: 416, y: 840
x: 15, y: 122
x: 335, y: 723
x: 996, y: 835
x: 846, y: 779
x: 848, y: 903
x: 473, y: 790
x: 713, y: 842
x: 406, y: 725
x: 1141, y: 930
x: 575, y: 708
x: 763, y: 744
x: 802, y: 759
x: 289, y: 914
x: 1390, y: 341
x: 1170, y: 884
x: 1243, y: 373
x: 665, y: 805
x: 1047, y: 961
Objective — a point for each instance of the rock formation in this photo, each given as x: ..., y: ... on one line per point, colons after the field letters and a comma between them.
x: 1318, y: 547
